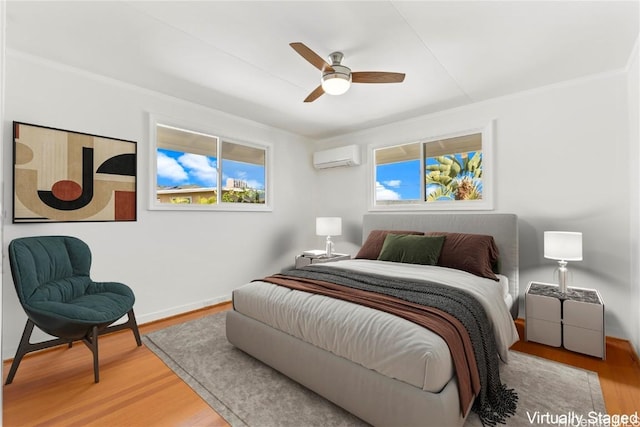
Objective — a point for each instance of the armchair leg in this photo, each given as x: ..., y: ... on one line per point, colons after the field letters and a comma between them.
x: 26, y: 347
x: 91, y: 340
x: 129, y: 324
x: 22, y: 350
x: 96, y: 367
x: 134, y: 327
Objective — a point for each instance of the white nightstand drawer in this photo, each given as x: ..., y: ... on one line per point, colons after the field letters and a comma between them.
x: 584, y: 315
x: 544, y: 332
x: 583, y: 340
x: 542, y: 307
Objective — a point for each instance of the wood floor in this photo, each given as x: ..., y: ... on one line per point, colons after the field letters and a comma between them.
x: 55, y: 387
x: 619, y: 374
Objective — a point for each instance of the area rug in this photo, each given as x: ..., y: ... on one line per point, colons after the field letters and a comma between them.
x: 247, y: 393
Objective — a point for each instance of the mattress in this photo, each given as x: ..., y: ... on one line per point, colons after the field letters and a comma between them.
x: 394, y: 347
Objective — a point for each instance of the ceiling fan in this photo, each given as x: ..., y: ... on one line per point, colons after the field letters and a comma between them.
x: 337, y: 78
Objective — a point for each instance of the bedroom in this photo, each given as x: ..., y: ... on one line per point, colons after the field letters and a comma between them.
x: 548, y: 137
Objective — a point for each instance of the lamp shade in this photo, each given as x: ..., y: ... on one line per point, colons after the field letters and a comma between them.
x: 563, y: 245
x: 328, y: 226
x: 336, y: 83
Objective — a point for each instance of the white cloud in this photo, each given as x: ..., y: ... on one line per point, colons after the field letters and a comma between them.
x: 169, y: 168
x: 200, y: 167
x: 383, y: 193
x: 395, y: 183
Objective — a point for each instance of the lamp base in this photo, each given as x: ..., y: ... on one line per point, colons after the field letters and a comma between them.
x: 329, y: 247
x: 562, y: 276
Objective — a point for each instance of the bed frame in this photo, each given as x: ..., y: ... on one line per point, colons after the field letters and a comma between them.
x: 375, y: 398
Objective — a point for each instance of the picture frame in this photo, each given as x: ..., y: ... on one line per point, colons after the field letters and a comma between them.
x: 66, y: 176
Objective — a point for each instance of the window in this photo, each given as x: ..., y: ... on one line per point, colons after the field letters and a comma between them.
x: 201, y: 171
x: 451, y: 172
x: 398, y: 171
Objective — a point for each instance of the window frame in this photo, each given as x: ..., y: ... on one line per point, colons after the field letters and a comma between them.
x: 155, y: 120
x: 487, y: 201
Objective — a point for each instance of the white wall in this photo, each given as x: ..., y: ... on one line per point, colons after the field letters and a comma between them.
x: 174, y: 261
x: 2, y: 86
x: 560, y: 164
x: 634, y: 161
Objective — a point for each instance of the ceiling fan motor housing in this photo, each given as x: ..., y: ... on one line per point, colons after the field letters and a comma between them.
x: 339, y: 71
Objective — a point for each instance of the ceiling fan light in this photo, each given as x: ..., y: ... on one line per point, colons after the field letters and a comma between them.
x: 336, y: 83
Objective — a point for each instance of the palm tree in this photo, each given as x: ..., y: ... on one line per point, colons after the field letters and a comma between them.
x: 455, y: 177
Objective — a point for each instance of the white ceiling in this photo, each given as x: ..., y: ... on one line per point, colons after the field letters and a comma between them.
x: 235, y: 56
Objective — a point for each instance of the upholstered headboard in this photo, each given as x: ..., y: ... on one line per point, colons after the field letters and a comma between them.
x: 503, y: 228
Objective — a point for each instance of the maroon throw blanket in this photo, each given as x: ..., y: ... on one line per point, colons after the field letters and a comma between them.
x: 446, y: 326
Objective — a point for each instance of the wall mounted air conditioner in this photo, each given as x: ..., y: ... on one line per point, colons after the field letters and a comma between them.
x: 348, y: 155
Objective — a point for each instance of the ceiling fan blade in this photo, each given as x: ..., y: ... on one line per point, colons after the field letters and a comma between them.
x: 317, y: 92
x: 376, y: 77
x: 311, y: 56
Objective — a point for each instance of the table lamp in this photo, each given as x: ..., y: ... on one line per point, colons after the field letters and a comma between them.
x: 329, y: 226
x: 563, y: 246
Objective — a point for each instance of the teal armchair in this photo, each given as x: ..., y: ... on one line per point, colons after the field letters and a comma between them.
x: 51, y: 277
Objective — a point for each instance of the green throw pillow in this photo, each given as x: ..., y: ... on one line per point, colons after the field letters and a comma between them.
x: 411, y: 249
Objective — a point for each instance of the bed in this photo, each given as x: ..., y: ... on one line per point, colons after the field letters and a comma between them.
x: 380, y: 367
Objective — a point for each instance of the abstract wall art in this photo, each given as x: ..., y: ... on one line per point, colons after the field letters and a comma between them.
x: 64, y: 176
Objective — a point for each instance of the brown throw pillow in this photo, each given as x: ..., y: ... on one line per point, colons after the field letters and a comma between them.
x: 373, y: 245
x: 473, y: 253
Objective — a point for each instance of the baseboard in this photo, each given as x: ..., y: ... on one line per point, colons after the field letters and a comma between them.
x: 189, y: 312
x: 179, y: 310
x: 626, y: 343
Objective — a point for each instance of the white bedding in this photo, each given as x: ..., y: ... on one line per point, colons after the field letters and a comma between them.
x: 399, y: 349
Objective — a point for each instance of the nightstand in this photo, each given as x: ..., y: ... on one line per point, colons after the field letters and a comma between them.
x: 574, y: 320
x: 303, y: 260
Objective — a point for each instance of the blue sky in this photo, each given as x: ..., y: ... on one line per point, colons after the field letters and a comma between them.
x: 178, y: 168
x: 398, y: 181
